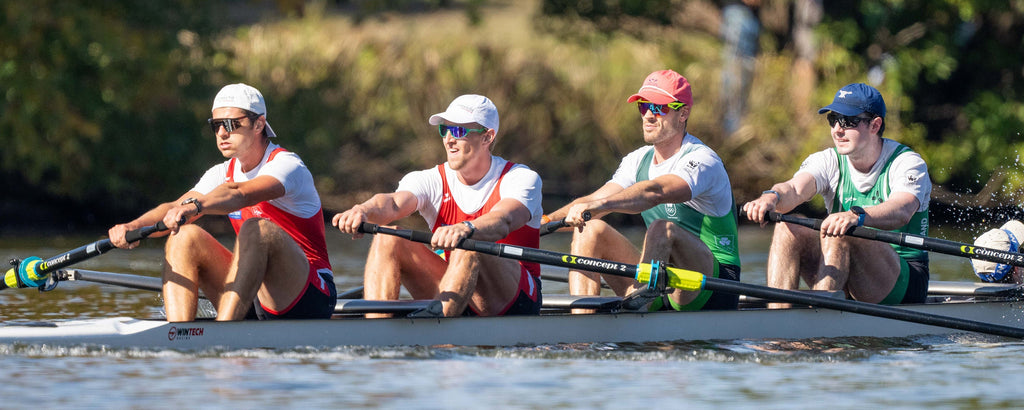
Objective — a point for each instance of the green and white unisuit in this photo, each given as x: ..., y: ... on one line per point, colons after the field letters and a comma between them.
x: 899, y: 169
x: 709, y: 214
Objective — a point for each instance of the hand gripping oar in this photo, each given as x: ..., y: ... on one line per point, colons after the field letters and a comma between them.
x: 33, y: 271
x: 691, y: 280
x: 913, y: 241
x: 559, y: 224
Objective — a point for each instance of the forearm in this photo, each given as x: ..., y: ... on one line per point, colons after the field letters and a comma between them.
x: 382, y: 209
x: 889, y: 215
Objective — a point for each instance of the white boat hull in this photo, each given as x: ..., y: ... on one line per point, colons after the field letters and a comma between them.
x: 799, y: 323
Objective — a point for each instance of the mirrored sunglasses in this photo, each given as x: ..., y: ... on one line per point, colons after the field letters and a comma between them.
x: 229, y: 124
x: 456, y: 131
x: 658, y: 109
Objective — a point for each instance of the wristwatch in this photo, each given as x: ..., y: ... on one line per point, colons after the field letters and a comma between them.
x: 193, y: 201
x: 861, y: 214
x: 472, y: 229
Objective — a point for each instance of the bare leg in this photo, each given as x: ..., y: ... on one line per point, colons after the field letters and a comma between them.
x: 670, y: 243
x: 392, y: 262
x: 268, y: 261
x: 600, y: 240
x: 866, y: 270
x: 794, y: 252
x: 486, y: 282
x: 193, y: 260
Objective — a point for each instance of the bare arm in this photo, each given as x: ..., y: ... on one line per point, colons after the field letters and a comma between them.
x: 891, y: 214
x: 380, y: 209
x: 801, y: 188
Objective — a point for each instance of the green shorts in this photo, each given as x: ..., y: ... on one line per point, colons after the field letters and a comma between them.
x: 912, y: 284
x: 706, y: 300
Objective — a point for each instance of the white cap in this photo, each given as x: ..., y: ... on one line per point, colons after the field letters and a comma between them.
x: 1006, y: 238
x: 245, y: 97
x: 467, y: 109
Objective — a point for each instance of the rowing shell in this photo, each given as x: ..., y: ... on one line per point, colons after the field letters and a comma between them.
x: 547, y: 329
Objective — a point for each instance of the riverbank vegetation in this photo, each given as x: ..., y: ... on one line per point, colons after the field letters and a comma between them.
x: 104, y: 104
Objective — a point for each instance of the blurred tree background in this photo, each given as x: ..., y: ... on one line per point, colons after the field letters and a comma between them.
x: 104, y: 103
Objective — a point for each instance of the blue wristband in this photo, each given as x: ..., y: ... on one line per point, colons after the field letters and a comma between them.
x: 861, y: 214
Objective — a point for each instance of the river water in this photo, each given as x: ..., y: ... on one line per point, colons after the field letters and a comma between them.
x: 960, y: 371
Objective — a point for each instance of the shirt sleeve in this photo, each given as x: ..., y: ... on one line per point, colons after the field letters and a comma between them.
x: 625, y: 175
x: 909, y: 173
x: 824, y: 167
x: 426, y: 186
x: 710, y: 188
x: 524, y: 185
x: 212, y: 178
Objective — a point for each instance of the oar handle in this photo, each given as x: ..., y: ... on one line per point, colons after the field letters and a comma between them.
x: 913, y: 241
x: 559, y: 224
x: 32, y: 271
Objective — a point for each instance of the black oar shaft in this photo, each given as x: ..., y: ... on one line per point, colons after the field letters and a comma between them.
x: 711, y: 283
x: 34, y: 269
x: 913, y: 241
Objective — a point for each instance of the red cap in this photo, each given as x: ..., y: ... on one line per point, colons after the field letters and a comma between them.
x: 663, y: 87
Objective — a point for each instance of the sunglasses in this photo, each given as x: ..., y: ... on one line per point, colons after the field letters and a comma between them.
x: 457, y: 132
x: 658, y: 109
x: 844, y: 121
x: 229, y: 124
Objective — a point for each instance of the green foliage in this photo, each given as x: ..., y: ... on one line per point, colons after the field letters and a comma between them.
x: 109, y: 99
x: 95, y: 95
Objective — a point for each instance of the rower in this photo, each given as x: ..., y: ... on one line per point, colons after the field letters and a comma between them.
x: 280, y: 255
x: 680, y: 187
x: 1007, y: 237
x: 473, y: 195
x: 865, y: 180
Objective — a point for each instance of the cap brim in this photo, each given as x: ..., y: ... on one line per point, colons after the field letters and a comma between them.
x: 452, y: 118
x: 847, y: 110
x: 652, y: 97
x: 270, y: 131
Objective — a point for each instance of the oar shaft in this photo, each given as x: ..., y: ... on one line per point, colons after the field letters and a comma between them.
x: 33, y: 270
x: 681, y: 279
x: 913, y: 241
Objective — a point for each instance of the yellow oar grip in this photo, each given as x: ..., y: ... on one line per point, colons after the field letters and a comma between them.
x: 684, y: 279
x: 11, y: 278
x: 677, y: 278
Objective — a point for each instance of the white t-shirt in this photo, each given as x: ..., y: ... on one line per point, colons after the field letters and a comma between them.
x: 520, y: 183
x: 300, y: 196
x: 908, y: 173
x: 701, y: 168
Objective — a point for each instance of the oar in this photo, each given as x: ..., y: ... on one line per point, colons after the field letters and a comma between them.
x: 148, y: 282
x: 32, y: 271
x: 913, y: 241
x: 559, y: 224
x: 691, y: 280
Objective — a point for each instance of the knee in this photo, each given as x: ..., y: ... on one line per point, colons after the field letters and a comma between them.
x: 257, y: 229
x: 184, y: 238
x: 594, y: 230
x: 387, y: 243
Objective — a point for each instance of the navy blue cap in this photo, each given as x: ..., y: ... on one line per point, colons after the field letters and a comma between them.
x: 855, y: 99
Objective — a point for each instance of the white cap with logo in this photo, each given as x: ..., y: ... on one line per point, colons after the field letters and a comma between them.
x: 245, y: 97
x: 468, y: 109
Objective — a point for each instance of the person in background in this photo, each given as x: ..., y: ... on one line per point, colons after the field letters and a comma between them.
x: 865, y: 180
x: 280, y: 255
x: 475, y: 194
x: 680, y: 187
x: 1007, y: 237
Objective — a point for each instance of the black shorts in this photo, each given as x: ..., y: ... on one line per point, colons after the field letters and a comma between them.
x: 917, y: 287
x: 313, y: 304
